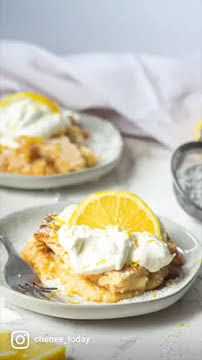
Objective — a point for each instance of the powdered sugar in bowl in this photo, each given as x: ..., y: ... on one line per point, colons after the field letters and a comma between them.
x: 186, y: 166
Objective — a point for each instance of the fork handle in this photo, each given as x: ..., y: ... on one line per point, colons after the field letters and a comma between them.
x: 8, y: 245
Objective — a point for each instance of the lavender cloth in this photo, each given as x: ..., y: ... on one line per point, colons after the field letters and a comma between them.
x: 145, y: 95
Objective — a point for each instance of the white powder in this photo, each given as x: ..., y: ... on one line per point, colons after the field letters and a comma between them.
x: 191, y: 182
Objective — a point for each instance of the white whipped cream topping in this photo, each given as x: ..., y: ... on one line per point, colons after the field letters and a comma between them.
x: 150, y: 252
x: 94, y: 251
x: 28, y: 118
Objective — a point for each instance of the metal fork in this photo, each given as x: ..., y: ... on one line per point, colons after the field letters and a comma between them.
x: 20, y: 276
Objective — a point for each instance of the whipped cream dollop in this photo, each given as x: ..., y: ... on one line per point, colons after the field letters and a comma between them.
x: 150, y: 252
x: 94, y: 251
x: 26, y: 117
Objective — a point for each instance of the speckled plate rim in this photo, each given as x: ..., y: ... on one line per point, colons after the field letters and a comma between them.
x: 109, y: 152
x: 99, y: 311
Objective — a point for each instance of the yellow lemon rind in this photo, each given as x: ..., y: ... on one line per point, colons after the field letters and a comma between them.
x: 74, y: 220
x: 38, y: 98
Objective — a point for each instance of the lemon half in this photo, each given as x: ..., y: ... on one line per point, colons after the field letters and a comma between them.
x: 125, y: 210
x: 6, y: 351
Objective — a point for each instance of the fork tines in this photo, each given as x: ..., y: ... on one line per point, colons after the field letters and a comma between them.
x: 42, y: 288
x: 36, y: 290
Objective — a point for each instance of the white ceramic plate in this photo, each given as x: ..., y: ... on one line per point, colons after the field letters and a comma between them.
x: 20, y: 226
x: 105, y: 140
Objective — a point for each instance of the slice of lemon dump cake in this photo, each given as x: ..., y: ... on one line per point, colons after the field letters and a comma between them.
x: 109, y: 247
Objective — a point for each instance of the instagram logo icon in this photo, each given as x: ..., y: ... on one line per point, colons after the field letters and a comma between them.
x: 20, y: 340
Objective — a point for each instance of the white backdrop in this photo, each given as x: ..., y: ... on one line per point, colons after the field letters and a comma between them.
x: 169, y: 27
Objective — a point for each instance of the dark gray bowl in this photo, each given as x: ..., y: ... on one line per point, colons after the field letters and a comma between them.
x: 187, y: 156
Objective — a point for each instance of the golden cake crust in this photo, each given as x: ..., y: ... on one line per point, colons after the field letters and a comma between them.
x: 65, y: 153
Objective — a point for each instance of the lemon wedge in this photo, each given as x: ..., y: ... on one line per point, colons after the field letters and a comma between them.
x: 198, y: 131
x: 125, y: 210
x: 35, y: 97
x: 6, y: 351
x: 35, y: 351
x: 44, y: 352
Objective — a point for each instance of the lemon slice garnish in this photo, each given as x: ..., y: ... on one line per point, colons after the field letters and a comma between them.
x: 35, y: 97
x: 125, y: 210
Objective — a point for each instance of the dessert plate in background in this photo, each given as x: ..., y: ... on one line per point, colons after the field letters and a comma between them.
x: 20, y: 226
x: 105, y: 141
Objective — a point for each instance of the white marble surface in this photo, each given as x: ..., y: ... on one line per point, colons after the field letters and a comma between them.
x: 174, y: 333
